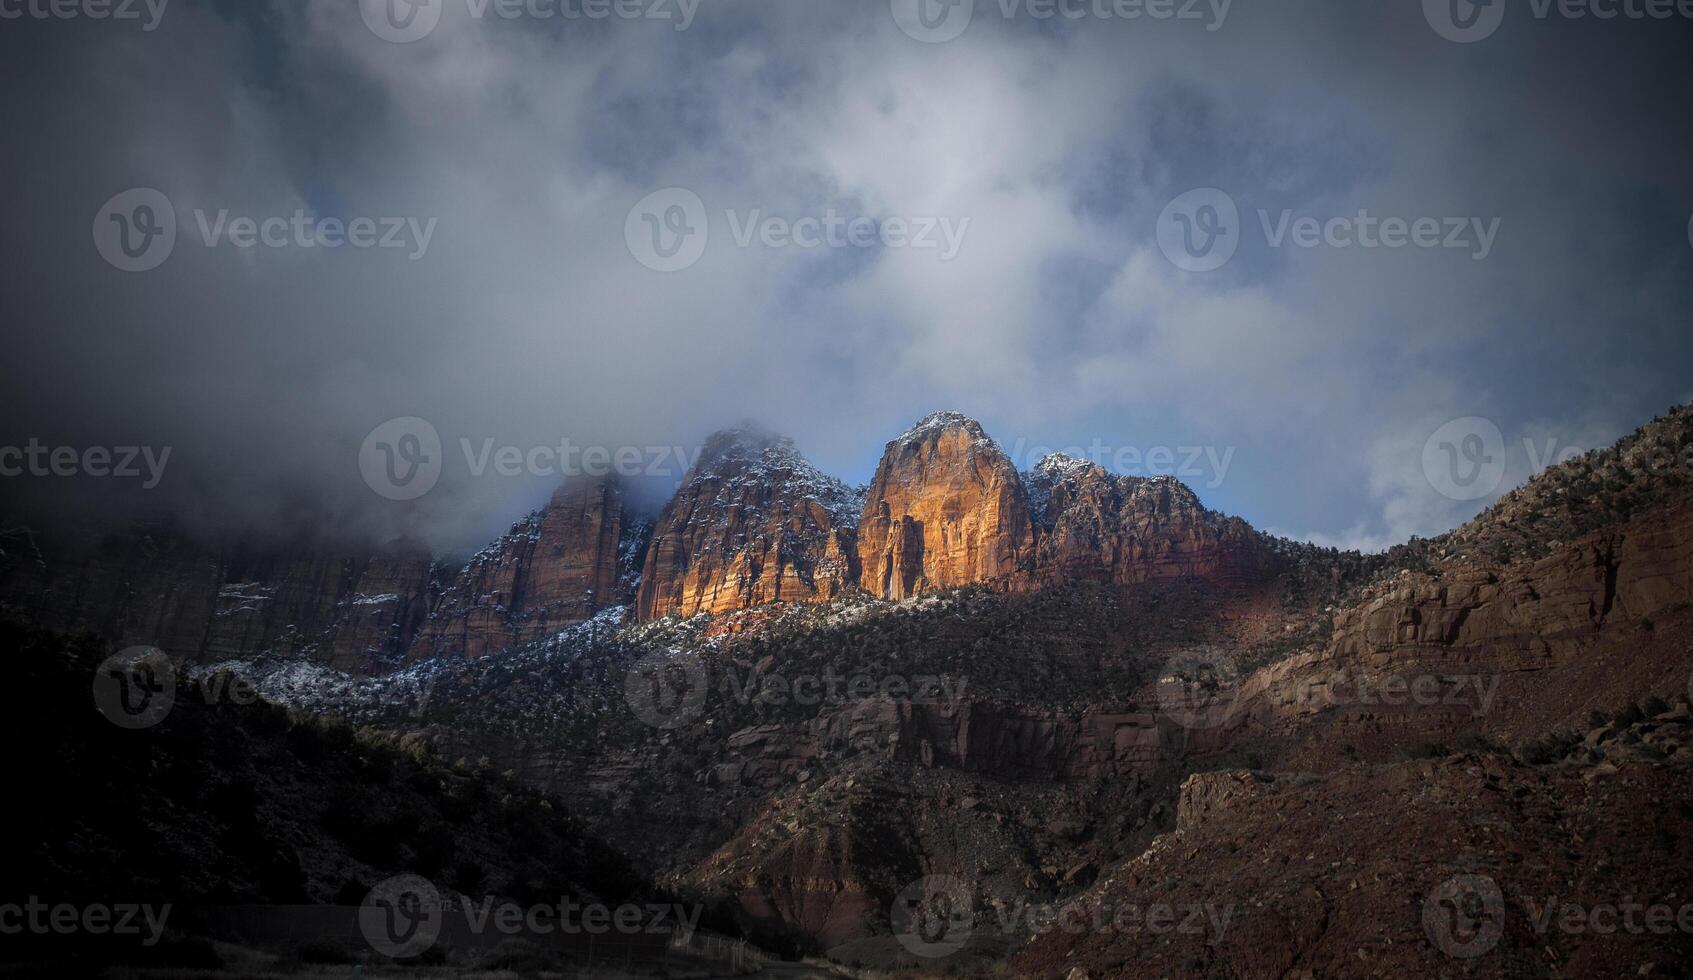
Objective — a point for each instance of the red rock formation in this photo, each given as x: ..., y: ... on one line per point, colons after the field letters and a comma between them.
x: 1097, y: 526
x: 557, y: 567
x: 945, y: 509
x: 753, y: 523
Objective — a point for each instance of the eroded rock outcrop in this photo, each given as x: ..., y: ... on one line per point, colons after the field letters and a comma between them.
x: 946, y: 509
x: 753, y: 523
x: 1094, y: 525
x: 1510, y: 650
x: 555, y: 568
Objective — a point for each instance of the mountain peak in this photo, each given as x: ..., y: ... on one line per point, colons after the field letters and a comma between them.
x: 747, y: 438
x: 938, y: 422
x: 1058, y: 466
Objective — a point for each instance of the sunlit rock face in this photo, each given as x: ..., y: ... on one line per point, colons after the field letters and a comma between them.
x: 753, y: 523
x: 946, y: 508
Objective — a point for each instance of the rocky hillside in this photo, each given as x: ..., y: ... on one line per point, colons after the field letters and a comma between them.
x: 229, y: 801
x: 1476, y: 864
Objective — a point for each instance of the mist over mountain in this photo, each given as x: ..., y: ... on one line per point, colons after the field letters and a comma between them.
x: 527, y: 141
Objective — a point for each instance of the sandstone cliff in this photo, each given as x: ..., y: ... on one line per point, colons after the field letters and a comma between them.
x: 151, y: 585
x: 753, y: 523
x: 350, y: 613
x: 945, y: 509
x: 557, y: 567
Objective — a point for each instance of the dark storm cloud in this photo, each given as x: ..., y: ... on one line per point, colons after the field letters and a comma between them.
x: 523, y: 320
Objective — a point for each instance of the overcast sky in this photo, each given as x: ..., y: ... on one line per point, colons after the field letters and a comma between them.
x: 523, y: 307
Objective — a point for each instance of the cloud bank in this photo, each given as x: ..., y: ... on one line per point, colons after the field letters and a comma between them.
x: 1049, y: 146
